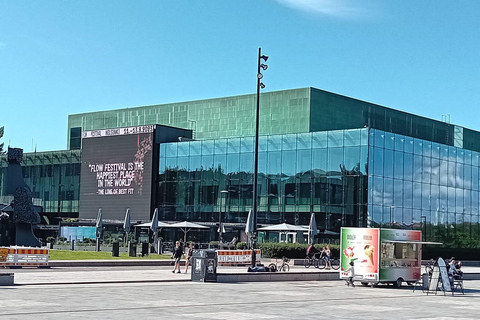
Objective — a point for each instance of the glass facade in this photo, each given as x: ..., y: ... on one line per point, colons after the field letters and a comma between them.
x: 418, y: 184
x: 54, y: 179
x: 321, y: 172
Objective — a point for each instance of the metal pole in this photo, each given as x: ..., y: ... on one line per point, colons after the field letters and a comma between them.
x: 255, y: 172
x: 220, y: 222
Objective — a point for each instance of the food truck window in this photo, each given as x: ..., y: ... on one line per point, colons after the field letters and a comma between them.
x: 399, y: 254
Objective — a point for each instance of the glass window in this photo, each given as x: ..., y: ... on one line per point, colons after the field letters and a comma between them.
x: 195, y: 148
x: 399, y: 142
x: 398, y: 165
x: 221, y: 146
x: 408, y: 146
x: 435, y: 150
x: 451, y: 174
x: 335, y: 139
x: 417, y: 168
x: 289, y: 142
x: 460, y: 156
x: 352, y: 158
x: 364, y: 136
x: 379, y: 137
x: 274, y: 163
x: 377, y: 196
x: 246, y: 162
x: 247, y: 144
x: 435, y: 171
x: 262, y: 143
x: 408, y: 166
x: 451, y: 199
x: 171, y: 150
x: 363, y: 159
x: 459, y: 200
x: 427, y: 148
x: 220, y: 161
x: 417, y: 195
x: 207, y: 147
x: 233, y: 145
x: 388, y: 164
x: 183, y: 149
x: 304, y: 160
x: 475, y: 179
x: 418, y: 147
x: 320, y: 160
x: 274, y: 143
x: 425, y: 196
x: 195, y: 163
x: 304, y: 141
x: 319, y: 140
x: 468, y: 157
x: 352, y: 138
x: 475, y: 159
x: 435, y: 197
x: 398, y: 193
x: 459, y: 177
x: 388, y: 192
x: 443, y: 172
x: 467, y: 176
x: 378, y: 161
x: 426, y: 169
x: 288, y: 163
x: 335, y: 159
x: 389, y: 140
x: 233, y: 163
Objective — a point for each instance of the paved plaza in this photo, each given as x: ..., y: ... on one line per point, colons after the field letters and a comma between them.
x: 141, y: 292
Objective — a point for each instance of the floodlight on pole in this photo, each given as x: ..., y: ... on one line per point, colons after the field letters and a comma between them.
x: 260, y: 85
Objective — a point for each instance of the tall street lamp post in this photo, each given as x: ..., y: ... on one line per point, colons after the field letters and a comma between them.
x: 220, y: 229
x: 260, y: 85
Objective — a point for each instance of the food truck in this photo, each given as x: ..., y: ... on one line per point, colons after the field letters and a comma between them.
x: 381, y: 255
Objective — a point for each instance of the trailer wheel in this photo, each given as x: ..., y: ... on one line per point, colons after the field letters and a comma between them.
x: 398, y: 283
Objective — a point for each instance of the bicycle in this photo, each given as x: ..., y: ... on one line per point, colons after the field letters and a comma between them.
x: 280, y: 267
x: 322, y: 261
x: 309, y: 261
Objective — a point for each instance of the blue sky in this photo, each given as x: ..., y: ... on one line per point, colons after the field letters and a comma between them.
x: 64, y: 57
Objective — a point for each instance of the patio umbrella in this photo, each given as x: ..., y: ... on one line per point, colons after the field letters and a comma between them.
x: 285, y: 227
x: 312, y: 228
x: 160, y: 225
x: 186, y: 226
x: 126, y: 225
x: 154, y: 228
x: 249, y: 227
x: 98, y: 225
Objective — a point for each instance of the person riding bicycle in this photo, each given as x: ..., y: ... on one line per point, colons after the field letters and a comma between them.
x: 311, y: 250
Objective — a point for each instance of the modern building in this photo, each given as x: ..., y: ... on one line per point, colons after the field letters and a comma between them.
x: 350, y: 162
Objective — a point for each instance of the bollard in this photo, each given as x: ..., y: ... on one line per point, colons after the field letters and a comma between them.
x: 116, y: 249
x: 132, y: 249
x: 73, y: 245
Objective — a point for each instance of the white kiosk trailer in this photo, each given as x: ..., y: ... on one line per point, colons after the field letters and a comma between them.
x: 381, y: 255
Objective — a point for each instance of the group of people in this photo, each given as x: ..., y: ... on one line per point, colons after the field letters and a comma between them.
x: 177, y: 256
x: 325, y: 252
x: 454, y: 268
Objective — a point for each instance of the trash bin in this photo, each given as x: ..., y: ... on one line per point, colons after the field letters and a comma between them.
x: 115, y: 249
x: 426, y: 281
x: 204, y: 265
x: 132, y: 249
x: 145, y: 248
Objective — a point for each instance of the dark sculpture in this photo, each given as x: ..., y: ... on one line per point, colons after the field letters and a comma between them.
x: 23, y: 213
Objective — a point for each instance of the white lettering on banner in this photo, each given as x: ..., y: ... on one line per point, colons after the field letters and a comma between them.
x: 117, y: 131
x: 236, y: 257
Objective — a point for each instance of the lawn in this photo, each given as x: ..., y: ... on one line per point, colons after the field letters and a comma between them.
x: 93, y: 255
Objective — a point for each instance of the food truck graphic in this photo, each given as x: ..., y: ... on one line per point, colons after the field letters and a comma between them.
x: 381, y: 255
